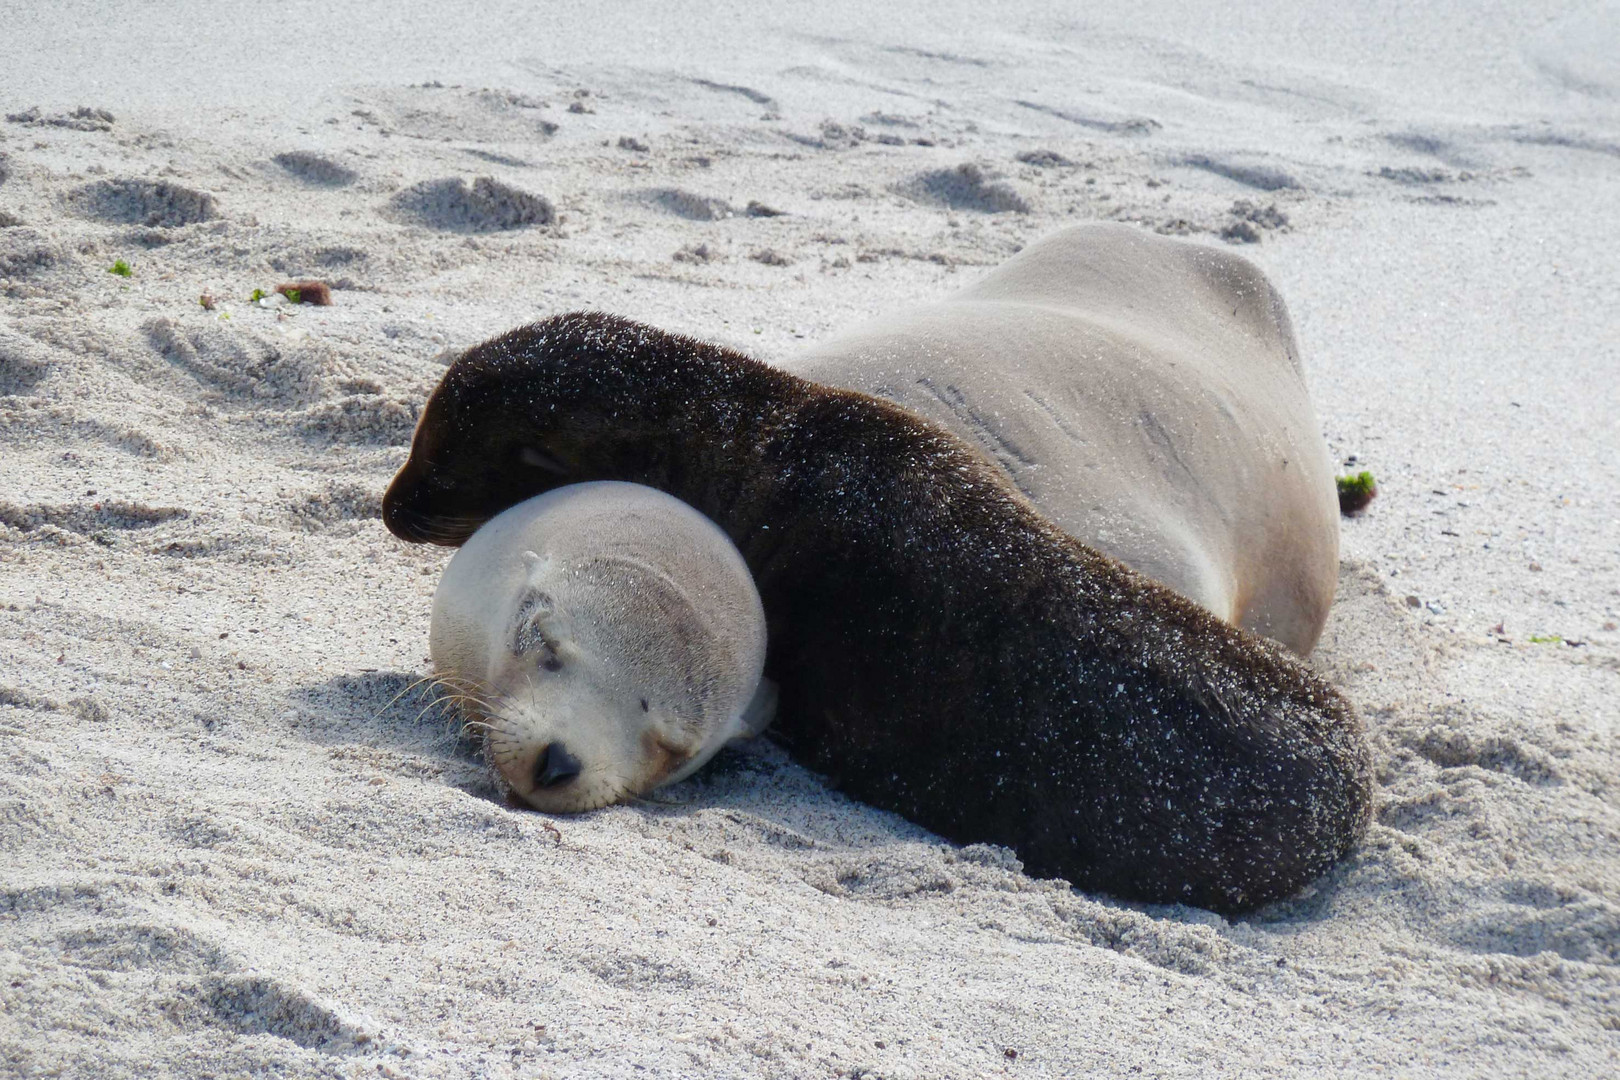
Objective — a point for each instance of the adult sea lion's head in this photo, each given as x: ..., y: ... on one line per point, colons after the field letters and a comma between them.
x: 578, y: 397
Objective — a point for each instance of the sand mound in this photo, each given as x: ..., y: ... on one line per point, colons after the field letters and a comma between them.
x: 84, y: 118
x: 967, y: 187
x: 24, y: 363
x: 487, y: 205
x: 30, y: 253
x: 1044, y: 159
x: 157, y: 203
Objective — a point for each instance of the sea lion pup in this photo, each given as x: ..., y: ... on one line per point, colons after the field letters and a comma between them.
x: 609, y: 639
x: 942, y: 650
x: 1146, y: 395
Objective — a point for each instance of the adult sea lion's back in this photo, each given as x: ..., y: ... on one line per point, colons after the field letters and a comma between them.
x: 1146, y: 394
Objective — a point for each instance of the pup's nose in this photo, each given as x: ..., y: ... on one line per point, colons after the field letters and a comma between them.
x: 555, y: 766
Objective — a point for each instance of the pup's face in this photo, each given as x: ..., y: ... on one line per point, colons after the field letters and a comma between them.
x: 604, y: 688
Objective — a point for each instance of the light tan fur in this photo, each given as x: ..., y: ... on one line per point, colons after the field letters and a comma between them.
x: 1146, y: 395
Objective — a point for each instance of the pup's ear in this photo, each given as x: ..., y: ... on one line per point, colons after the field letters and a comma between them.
x: 538, y: 567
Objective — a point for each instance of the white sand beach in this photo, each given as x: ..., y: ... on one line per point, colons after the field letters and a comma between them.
x: 232, y: 843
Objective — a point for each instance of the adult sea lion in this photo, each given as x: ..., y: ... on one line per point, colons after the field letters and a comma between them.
x: 608, y: 638
x: 942, y: 649
x: 1145, y: 394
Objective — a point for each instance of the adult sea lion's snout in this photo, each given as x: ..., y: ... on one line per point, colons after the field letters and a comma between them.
x: 406, y: 514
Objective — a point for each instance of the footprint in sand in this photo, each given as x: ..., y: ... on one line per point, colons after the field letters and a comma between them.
x: 1254, y: 174
x: 966, y: 187
x: 441, y: 113
x: 241, y: 364
x: 692, y: 207
x: 316, y: 169
x: 95, y: 519
x: 361, y: 418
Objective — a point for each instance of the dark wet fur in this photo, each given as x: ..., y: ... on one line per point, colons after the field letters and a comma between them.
x: 942, y: 650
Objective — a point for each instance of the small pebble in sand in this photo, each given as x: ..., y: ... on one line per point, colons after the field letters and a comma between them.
x: 306, y: 292
x: 696, y: 253
x: 1241, y: 232
x: 208, y: 301
x: 1050, y: 159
